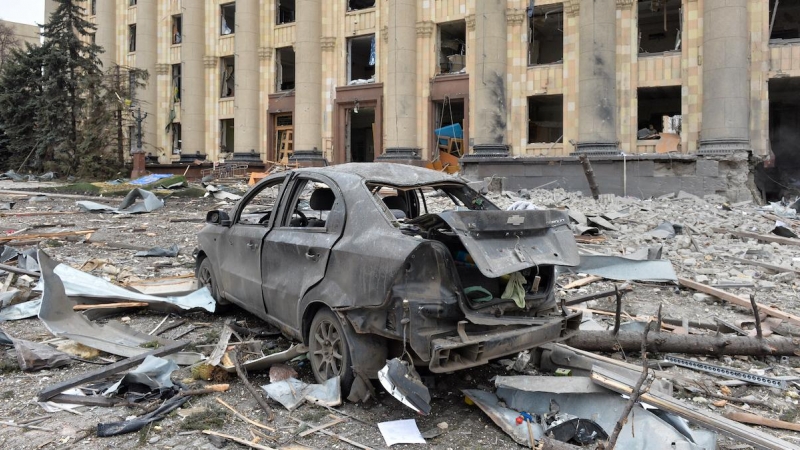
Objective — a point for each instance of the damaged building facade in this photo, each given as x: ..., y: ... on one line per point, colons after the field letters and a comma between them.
x: 521, y: 86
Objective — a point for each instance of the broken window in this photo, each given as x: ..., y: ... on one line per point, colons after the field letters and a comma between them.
x: 176, y: 82
x: 660, y: 24
x: 353, y: 5
x: 132, y: 38
x: 177, y: 28
x: 655, y: 103
x: 227, y: 76
x: 93, y: 7
x: 285, y: 11
x: 227, y: 19
x: 284, y: 69
x: 546, y: 35
x: 132, y: 3
x: 449, y: 125
x: 545, y: 118
x: 361, y: 59
x: 313, y: 202
x: 784, y: 20
x: 226, y: 135
x: 452, y: 47
x: 176, y: 139
x: 259, y: 208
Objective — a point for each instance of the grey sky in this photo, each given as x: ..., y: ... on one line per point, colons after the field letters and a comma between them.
x: 23, y: 11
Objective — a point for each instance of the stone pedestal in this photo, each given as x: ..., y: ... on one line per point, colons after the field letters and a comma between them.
x: 138, y: 165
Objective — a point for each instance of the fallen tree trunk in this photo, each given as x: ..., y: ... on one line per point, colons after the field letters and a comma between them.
x: 606, y: 341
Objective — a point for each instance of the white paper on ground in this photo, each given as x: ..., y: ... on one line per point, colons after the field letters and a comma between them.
x: 401, y: 432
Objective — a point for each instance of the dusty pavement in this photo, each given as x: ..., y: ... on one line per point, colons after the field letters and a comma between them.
x: 700, y: 253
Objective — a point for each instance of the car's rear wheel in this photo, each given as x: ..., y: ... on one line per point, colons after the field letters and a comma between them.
x: 329, y: 351
x: 206, y: 278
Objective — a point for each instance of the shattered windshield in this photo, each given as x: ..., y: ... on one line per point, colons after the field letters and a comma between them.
x: 400, y: 204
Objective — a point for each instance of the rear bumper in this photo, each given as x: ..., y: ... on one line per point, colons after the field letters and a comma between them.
x: 456, y: 353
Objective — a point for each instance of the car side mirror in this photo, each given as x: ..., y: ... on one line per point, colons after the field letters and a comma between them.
x: 218, y: 217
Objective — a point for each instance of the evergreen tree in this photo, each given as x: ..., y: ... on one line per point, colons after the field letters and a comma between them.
x: 71, y: 88
x: 20, y: 93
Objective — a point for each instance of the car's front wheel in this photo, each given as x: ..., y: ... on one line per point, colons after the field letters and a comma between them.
x: 329, y: 351
x: 206, y: 278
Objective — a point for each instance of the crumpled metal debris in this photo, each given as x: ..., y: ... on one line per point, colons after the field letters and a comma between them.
x: 91, y: 289
x: 266, y: 362
x: 220, y: 194
x: 401, y: 380
x: 33, y: 356
x: 129, y: 205
x: 7, y: 206
x: 625, y: 269
x: 152, y: 376
x: 160, y: 252
x: 292, y: 392
x: 664, y: 230
x: 7, y: 253
x: 136, y: 424
x: 59, y: 318
x: 21, y: 310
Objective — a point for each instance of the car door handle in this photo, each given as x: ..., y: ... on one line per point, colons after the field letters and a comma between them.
x: 312, y: 256
x: 252, y: 246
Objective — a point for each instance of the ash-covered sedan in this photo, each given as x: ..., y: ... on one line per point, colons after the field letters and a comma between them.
x: 368, y: 262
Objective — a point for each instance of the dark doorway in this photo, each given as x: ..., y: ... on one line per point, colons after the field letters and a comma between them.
x: 660, y: 25
x: 655, y: 103
x: 448, y: 118
x: 784, y: 138
x: 360, y: 137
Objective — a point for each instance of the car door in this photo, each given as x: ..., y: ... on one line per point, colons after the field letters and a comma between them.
x: 295, y: 255
x: 240, y: 267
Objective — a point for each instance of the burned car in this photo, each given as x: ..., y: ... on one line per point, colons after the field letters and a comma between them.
x: 371, y: 261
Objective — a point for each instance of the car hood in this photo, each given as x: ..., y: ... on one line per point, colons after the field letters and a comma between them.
x: 503, y: 242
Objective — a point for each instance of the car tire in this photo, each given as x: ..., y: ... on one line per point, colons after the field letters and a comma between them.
x: 329, y: 350
x: 206, y: 278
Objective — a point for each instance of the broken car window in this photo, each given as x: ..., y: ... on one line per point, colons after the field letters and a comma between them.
x: 312, y: 201
x: 258, y: 210
x: 399, y: 204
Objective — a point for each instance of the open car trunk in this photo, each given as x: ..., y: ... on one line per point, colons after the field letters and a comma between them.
x: 493, y: 249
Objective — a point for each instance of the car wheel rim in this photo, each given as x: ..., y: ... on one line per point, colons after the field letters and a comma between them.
x: 328, y: 355
x: 206, y: 279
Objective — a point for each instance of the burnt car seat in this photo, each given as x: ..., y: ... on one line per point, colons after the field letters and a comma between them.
x: 321, y: 200
x: 397, y: 205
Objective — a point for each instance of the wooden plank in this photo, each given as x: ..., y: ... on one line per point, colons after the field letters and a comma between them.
x: 335, y: 421
x: 45, y: 235
x: 110, y: 305
x: 89, y: 400
x: 13, y: 269
x: 51, y: 391
x: 749, y: 435
x: 760, y: 237
x: 736, y: 300
x: 244, y: 442
x: 744, y: 417
x: 772, y: 267
x: 582, y: 282
x: 38, y: 213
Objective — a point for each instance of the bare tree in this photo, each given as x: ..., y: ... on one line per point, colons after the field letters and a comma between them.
x: 8, y: 41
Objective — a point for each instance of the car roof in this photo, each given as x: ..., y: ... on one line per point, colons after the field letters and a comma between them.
x: 394, y: 174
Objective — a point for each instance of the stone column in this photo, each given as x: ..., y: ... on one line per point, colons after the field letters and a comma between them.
x: 491, y: 41
x: 597, y: 88
x: 106, y: 36
x: 146, y: 58
x: 246, y: 116
x: 193, y: 108
x: 308, y: 84
x: 725, y: 126
x: 400, y: 123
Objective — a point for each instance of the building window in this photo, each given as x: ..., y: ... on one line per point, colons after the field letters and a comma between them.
x: 546, y: 35
x: 545, y: 118
x: 93, y: 7
x: 176, y: 139
x: 132, y: 38
x: 228, y: 76
x: 452, y: 46
x: 654, y: 105
x: 132, y: 3
x: 177, y: 29
x: 354, y: 5
x: 226, y: 138
x: 660, y: 23
x: 227, y: 19
x: 176, y: 83
x: 285, y: 11
x: 361, y: 59
x: 284, y: 69
x: 785, y: 19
